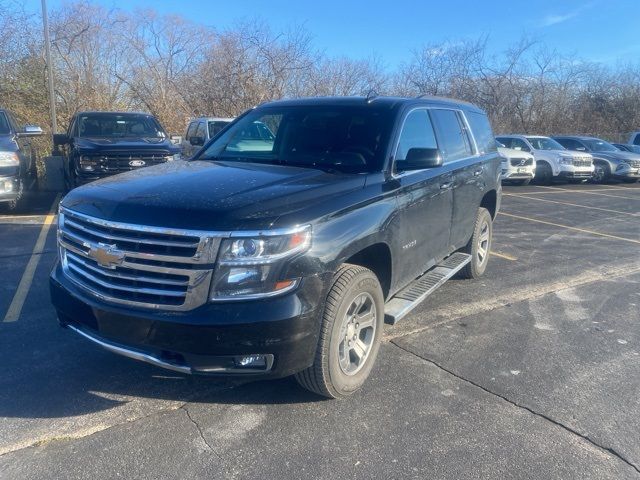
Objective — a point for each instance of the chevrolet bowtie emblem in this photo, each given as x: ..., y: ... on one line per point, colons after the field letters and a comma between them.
x: 107, y: 256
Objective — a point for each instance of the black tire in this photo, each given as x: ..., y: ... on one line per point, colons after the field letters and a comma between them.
x: 478, y: 264
x: 521, y: 183
x: 326, y: 376
x: 601, y: 174
x: 544, y: 174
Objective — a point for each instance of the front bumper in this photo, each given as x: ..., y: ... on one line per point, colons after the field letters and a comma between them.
x: 624, y: 170
x: 517, y: 173
x: 571, y: 172
x: 207, y: 340
x: 9, y: 188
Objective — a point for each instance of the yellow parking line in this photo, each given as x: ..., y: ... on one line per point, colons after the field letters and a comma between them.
x: 573, y: 204
x: 590, y: 192
x: 13, y: 313
x: 503, y: 255
x: 583, y: 230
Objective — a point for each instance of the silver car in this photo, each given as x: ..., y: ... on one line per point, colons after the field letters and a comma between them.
x: 200, y: 131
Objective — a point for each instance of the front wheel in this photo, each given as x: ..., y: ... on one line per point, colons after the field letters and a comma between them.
x: 350, y: 334
x: 544, y: 174
x: 601, y: 173
x: 479, y: 246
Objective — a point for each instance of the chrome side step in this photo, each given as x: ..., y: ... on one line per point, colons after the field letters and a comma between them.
x: 413, y: 294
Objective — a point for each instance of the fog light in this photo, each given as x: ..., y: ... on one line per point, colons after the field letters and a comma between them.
x: 251, y: 361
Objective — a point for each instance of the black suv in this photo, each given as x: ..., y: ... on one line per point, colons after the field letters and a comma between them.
x: 283, y: 255
x: 99, y: 144
x: 17, y: 158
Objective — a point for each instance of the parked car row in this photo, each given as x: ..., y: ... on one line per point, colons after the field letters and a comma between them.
x: 572, y: 158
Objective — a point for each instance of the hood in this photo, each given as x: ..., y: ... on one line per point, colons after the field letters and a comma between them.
x: 513, y: 153
x: 125, y: 143
x: 207, y: 195
x: 8, y: 144
x: 619, y: 156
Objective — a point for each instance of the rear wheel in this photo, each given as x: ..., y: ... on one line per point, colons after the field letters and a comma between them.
x: 479, y: 246
x: 544, y: 174
x: 350, y: 334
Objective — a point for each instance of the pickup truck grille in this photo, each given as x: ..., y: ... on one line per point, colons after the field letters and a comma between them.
x: 134, y: 265
x: 582, y: 162
x: 115, y: 162
x: 521, y: 162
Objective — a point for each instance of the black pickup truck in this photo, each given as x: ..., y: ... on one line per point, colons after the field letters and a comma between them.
x: 99, y: 144
x: 284, y: 255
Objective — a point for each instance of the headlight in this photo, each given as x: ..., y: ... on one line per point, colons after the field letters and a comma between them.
x: 176, y: 157
x: 252, y: 267
x: 9, y: 159
x: 88, y: 164
x: 566, y: 160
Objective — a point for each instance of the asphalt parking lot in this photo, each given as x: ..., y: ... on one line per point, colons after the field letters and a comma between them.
x: 532, y: 371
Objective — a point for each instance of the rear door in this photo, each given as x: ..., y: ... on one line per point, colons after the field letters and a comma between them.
x: 467, y: 168
x: 424, y: 203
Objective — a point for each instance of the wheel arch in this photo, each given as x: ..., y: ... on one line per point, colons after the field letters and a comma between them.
x: 377, y: 258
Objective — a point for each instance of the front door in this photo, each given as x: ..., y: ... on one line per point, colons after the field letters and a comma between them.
x: 424, y: 203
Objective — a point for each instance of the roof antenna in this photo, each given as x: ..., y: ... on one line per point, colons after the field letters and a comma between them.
x: 371, y: 94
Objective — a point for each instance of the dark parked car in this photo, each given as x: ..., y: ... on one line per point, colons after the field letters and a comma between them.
x: 609, y: 162
x: 17, y: 158
x: 627, y: 148
x: 267, y: 258
x: 99, y: 144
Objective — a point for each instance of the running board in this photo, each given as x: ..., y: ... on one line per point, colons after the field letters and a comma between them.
x: 413, y: 294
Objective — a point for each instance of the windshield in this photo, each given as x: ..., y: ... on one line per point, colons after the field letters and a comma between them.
x: 4, y: 124
x: 346, y: 138
x: 216, y: 125
x: 596, y: 145
x: 544, y: 143
x: 118, y: 125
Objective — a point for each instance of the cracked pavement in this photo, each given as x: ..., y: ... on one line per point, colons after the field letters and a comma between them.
x: 530, y: 372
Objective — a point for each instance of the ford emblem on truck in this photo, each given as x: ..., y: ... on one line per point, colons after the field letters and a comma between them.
x: 137, y: 163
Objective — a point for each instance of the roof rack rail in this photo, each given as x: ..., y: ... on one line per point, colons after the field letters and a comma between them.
x: 371, y: 94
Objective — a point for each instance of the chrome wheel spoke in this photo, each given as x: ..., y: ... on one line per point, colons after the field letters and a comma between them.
x: 366, y: 319
x: 360, y: 350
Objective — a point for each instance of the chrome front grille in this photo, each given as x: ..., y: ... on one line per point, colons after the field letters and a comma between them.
x: 135, y: 265
x: 582, y: 162
x: 633, y: 163
x: 115, y: 162
x: 521, y: 162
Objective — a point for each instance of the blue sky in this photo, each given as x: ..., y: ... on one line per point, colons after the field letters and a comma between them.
x: 606, y: 31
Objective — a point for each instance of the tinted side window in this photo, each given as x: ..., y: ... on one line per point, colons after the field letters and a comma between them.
x: 4, y: 124
x: 200, y: 132
x: 452, y: 138
x: 191, y: 130
x: 636, y: 141
x: 481, y: 130
x: 417, y: 132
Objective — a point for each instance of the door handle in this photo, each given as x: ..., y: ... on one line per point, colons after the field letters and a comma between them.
x: 445, y: 186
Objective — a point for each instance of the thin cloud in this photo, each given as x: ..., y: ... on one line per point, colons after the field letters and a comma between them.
x: 555, y: 19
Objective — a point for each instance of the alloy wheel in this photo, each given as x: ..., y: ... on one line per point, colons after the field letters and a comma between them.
x: 357, y: 333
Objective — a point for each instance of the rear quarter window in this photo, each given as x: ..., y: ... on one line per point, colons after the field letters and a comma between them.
x: 482, y: 133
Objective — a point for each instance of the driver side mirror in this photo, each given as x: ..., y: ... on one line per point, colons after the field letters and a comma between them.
x: 420, y: 158
x: 197, y: 141
x: 60, y: 139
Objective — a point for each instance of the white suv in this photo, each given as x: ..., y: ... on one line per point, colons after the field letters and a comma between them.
x: 518, y: 167
x: 552, y: 159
